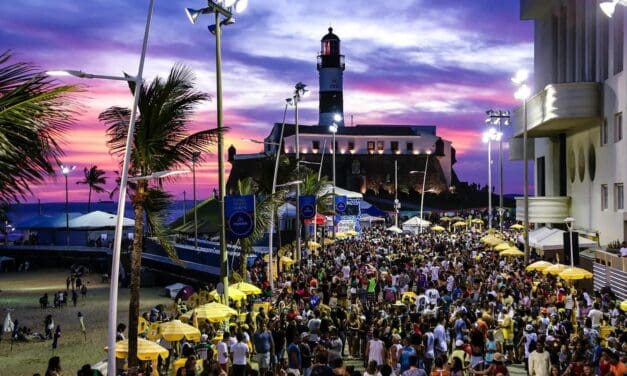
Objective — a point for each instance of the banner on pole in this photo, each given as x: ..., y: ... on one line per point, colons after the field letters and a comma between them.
x: 240, y: 215
x: 340, y: 204
x: 307, y: 205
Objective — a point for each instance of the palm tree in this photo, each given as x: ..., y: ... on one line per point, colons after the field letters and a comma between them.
x: 35, y: 112
x: 265, y: 204
x: 160, y: 143
x: 94, y: 177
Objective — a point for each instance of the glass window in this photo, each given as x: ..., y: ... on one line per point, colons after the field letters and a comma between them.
x: 370, y: 146
x: 618, y: 127
x: 571, y: 165
x: 592, y: 162
x: 618, y: 27
x: 351, y: 145
x: 380, y: 145
x: 604, y: 132
x: 619, y: 196
x: 410, y: 147
x: 603, y: 196
x: 581, y: 164
x: 315, y: 144
x: 394, y: 146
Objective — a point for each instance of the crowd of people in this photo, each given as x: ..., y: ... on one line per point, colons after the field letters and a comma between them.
x: 429, y: 304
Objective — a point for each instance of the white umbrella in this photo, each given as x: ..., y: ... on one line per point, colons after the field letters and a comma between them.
x: 395, y: 229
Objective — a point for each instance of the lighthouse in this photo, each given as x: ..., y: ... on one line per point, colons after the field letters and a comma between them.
x: 331, y: 72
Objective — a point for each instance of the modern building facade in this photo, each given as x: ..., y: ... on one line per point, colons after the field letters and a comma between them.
x: 575, y: 117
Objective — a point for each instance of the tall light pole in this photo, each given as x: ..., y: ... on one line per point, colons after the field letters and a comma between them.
x: 499, y: 118
x: 65, y: 170
x: 522, y: 93
x: 274, y: 179
x: 569, y: 223
x: 195, y: 157
x: 220, y: 9
x: 184, y: 208
x: 397, y: 205
x: 299, y: 92
x: 489, y: 136
x: 608, y: 7
x: 117, y: 240
x: 333, y: 130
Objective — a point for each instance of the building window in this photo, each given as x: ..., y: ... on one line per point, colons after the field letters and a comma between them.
x: 410, y: 147
x: 604, y: 132
x: 380, y: 146
x: 394, y: 146
x: 618, y: 127
x: 351, y: 146
x: 541, y: 171
x: 618, y: 27
x: 603, y: 196
x: 619, y: 196
x: 315, y: 145
x: 370, y: 147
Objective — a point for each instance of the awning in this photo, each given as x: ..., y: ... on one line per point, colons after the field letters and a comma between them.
x: 546, y: 238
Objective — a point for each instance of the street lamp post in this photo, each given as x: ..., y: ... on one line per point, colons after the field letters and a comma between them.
x: 569, y: 223
x: 499, y: 118
x: 195, y: 157
x: 396, y: 202
x: 333, y: 130
x: 65, y: 170
x: 220, y: 9
x: 522, y: 94
x: 299, y: 92
x: 489, y: 136
x: 422, y: 192
x: 117, y: 240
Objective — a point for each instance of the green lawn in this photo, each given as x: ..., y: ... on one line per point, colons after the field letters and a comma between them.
x: 21, y: 292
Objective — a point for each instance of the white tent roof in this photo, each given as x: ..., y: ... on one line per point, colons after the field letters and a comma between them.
x: 339, y: 192
x: 546, y: 238
x: 415, y: 221
x: 369, y: 218
x: 394, y: 229
x: 287, y: 210
x: 98, y: 219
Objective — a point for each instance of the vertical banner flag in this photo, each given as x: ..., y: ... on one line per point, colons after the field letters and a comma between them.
x: 240, y: 215
x: 340, y: 204
x: 307, y: 206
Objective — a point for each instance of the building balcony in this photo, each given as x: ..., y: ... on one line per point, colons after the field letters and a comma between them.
x: 544, y: 209
x: 560, y: 108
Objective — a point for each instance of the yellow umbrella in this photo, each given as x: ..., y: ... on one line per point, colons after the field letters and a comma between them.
x: 214, y: 312
x: 352, y: 233
x: 477, y: 220
x: 512, y: 252
x: 142, y: 325
x: 445, y: 219
x: 459, y: 224
x: 287, y: 261
x: 555, y: 269
x: 247, y: 288
x: 328, y: 241
x: 146, y: 350
x: 502, y: 246
x: 313, y: 245
x: 409, y: 295
x: 437, y: 228
x: 538, y: 266
x: 457, y: 218
x: 572, y: 273
x: 623, y: 305
x: 340, y: 235
x: 234, y: 294
x: 176, y: 330
x: 516, y: 227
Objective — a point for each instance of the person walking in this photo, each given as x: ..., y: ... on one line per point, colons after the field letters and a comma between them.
x: 54, y: 367
x: 539, y: 361
x: 239, y: 356
x: 223, y: 352
x: 263, y: 345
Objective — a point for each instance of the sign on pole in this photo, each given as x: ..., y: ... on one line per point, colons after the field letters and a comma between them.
x: 240, y: 215
x: 307, y: 205
x: 340, y: 204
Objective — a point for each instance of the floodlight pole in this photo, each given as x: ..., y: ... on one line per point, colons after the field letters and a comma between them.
x: 422, y: 193
x: 117, y: 241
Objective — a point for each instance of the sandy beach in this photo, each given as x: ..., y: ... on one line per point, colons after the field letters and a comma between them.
x: 20, y: 292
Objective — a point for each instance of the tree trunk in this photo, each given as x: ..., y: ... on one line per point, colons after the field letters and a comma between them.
x: 89, y: 201
x: 243, y: 257
x: 136, y: 254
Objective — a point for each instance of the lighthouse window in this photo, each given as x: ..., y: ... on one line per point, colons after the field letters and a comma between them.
x: 370, y: 147
x: 326, y: 47
x: 315, y: 145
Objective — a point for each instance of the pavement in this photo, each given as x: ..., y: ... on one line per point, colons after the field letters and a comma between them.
x: 514, y: 369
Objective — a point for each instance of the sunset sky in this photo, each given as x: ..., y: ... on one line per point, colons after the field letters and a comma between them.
x: 420, y: 62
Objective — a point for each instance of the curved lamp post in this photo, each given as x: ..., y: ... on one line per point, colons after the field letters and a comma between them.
x: 489, y: 136
x: 300, y: 92
x: 65, y: 170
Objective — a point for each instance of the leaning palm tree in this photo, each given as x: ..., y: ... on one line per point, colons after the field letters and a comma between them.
x: 161, y: 142
x: 313, y: 186
x: 35, y: 112
x: 94, y: 178
x: 265, y: 205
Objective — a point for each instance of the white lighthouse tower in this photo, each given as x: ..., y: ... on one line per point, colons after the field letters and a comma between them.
x: 331, y: 72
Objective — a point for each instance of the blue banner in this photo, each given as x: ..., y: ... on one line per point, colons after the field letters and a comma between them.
x: 307, y: 206
x: 240, y: 215
x: 340, y: 204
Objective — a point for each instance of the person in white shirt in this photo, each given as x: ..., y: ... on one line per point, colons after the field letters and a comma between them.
x: 223, y: 352
x: 239, y: 355
x: 596, y: 316
x: 439, y: 334
x: 375, y: 349
x: 539, y: 361
x: 623, y: 249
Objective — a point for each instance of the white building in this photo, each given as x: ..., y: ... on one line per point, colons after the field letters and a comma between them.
x: 575, y: 117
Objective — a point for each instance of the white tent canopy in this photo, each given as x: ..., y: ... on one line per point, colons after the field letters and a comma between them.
x: 546, y: 238
x: 98, y: 220
x: 328, y: 189
x: 173, y: 289
x: 369, y: 218
x: 286, y: 210
x: 394, y: 229
x: 413, y: 225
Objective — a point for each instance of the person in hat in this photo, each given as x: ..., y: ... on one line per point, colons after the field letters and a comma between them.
x: 497, y: 367
x: 528, y: 340
x: 463, y: 359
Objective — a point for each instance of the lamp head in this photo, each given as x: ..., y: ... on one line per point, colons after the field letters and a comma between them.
x: 300, y: 90
x: 608, y: 7
x: 569, y: 220
x: 241, y: 6
x: 192, y: 14
x: 522, y: 93
x: 333, y: 128
x: 428, y: 152
x: 65, y: 170
x: 337, y: 117
x: 520, y: 77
